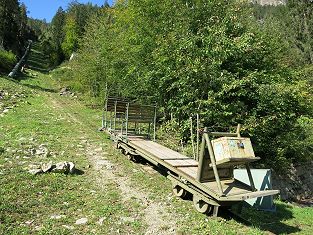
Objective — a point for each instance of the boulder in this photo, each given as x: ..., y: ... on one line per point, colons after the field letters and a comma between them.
x: 61, y: 167
x: 64, y: 167
x: 35, y: 171
x: 45, y: 167
x: 81, y: 221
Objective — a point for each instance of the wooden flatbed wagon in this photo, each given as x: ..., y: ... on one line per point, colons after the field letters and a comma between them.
x: 209, y: 179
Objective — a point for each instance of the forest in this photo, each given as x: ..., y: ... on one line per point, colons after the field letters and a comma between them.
x: 14, y: 32
x: 230, y: 61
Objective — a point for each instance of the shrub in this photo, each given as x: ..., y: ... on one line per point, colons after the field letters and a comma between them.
x: 7, y: 61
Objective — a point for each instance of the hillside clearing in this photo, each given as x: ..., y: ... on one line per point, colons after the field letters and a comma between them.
x: 115, y: 195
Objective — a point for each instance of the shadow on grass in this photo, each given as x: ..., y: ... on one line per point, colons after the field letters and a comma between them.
x: 38, y: 69
x: 37, y: 62
x: 271, y: 221
x: 32, y: 86
x: 36, y: 87
x: 78, y: 172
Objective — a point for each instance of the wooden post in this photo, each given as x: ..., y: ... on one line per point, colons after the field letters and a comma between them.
x: 127, y: 108
x: 149, y: 130
x: 247, y: 164
x: 238, y: 130
x: 201, y: 160
x: 198, y: 137
x: 192, y: 138
x: 154, y: 123
x: 213, y: 163
x: 250, y: 176
x: 114, y: 123
x: 104, y: 114
x: 111, y: 120
x: 122, y: 122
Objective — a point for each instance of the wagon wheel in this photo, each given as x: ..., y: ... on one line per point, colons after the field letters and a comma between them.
x: 129, y: 156
x: 118, y: 146
x: 201, y: 206
x: 136, y: 158
x: 179, y: 191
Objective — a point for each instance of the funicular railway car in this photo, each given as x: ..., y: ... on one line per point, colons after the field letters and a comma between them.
x: 209, y: 178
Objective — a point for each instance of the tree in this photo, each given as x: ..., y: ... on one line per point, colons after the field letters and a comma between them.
x: 301, y: 20
x: 9, y: 14
x: 57, y: 27
x: 212, y: 57
x: 58, y: 34
x: 71, y: 30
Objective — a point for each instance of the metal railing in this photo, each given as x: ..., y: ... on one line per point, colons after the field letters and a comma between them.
x: 124, y: 117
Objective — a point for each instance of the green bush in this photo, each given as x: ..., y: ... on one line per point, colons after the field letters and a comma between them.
x: 208, y: 57
x: 7, y: 61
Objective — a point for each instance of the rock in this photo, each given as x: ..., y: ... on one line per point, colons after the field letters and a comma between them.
x: 45, y: 167
x: 81, y: 221
x: 42, y: 151
x: 32, y: 151
x: 57, y: 216
x: 35, y: 171
x: 61, y: 167
x: 29, y: 222
x: 100, y: 221
x: 22, y: 140
x: 38, y: 228
x: 71, y: 166
x: 5, y: 111
x: 64, y: 167
x: 68, y: 227
x: 64, y: 91
x: 98, y: 149
x: 128, y: 219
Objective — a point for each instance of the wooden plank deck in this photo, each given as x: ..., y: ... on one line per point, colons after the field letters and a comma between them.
x: 181, y: 162
x: 230, y: 187
x: 187, y: 166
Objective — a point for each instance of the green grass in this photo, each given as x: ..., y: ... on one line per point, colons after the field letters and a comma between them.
x: 24, y: 197
x: 27, y: 202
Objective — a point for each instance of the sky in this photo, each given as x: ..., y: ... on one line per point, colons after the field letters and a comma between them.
x: 46, y: 9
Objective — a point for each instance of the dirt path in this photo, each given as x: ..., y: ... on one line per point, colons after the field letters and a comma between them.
x: 155, y: 215
x: 158, y: 220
